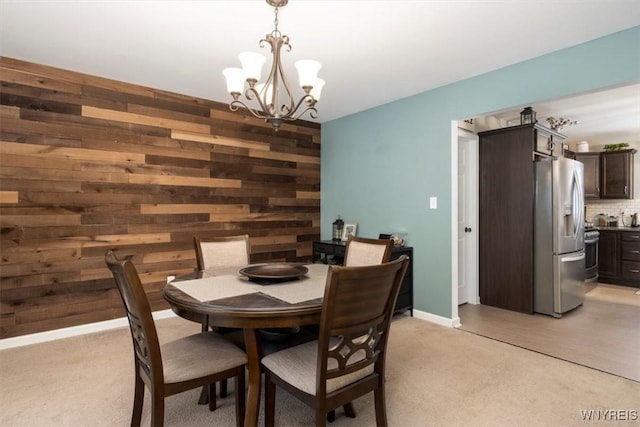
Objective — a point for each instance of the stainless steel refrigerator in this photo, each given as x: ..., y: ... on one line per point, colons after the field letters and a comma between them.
x: 559, y: 257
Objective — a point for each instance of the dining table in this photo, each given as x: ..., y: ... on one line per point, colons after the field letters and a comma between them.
x: 227, y: 297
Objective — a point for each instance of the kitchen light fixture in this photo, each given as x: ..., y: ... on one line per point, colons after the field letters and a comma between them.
x: 559, y: 123
x: 275, y: 102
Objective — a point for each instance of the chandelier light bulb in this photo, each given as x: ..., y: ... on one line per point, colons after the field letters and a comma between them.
x: 307, y: 72
x: 252, y: 65
x: 235, y: 80
x: 317, y: 89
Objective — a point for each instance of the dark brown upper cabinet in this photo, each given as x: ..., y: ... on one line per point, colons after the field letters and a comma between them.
x: 616, y: 174
x: 591, y: 163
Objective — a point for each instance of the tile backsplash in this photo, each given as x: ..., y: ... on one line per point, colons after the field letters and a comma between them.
x: 612, y: 208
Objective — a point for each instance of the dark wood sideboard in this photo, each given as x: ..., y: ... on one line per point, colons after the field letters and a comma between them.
x: 332, y: 252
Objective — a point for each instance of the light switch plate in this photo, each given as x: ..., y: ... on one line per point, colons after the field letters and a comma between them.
x: 433, y: 203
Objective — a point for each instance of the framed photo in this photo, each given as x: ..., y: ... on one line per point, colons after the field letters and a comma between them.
x: 349, y: 230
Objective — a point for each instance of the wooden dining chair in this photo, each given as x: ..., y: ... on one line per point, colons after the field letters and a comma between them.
x: 348, y: 359
x: 361, y: 251
x: 226, y: 251
x: 183, y: 364
x: 364, y: 251
x: 218, y: 252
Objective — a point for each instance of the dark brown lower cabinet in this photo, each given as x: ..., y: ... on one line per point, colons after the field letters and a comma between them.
x: 608, y: 254
x: 619, y: 257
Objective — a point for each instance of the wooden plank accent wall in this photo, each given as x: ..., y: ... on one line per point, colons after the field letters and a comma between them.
x: 89, y: 164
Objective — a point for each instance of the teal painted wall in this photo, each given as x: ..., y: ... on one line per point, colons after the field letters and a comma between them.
x: 380, y: 166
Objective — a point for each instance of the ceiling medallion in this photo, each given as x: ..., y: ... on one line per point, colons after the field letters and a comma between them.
x: 273, y: 100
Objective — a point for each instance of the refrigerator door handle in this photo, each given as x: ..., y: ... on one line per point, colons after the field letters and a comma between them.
x: 578, y: 205
x: 573, y: 258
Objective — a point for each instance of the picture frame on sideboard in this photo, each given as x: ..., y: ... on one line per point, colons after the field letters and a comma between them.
x: 349, y: 230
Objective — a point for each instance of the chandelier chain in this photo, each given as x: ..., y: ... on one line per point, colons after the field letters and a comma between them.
x: 275, y: 21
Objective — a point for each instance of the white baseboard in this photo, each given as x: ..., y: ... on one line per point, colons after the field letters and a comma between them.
x: 89, y: 328
x: 73, y: 331
x: 434, y: 318
x: 456, y: 322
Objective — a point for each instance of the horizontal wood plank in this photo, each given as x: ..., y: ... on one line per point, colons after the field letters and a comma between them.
x: 119, y: 116
x: 210, y: 139
x: 9, y: 196
x: 193, y: 208
x: 183, y: 181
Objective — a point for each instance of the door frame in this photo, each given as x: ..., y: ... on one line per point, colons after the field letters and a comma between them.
x: 457, y: 134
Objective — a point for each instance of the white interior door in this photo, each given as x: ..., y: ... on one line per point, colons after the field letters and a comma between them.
x: 467, y: 218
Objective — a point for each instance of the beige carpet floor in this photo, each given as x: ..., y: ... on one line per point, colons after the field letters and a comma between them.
x: 604, y: 333
x: 436, y: 376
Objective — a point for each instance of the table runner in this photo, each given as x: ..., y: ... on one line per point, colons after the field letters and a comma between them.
x: 306, y: 288
x: 216, y: 287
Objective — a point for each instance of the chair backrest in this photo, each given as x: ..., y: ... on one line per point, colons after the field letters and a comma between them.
x: 227, y: 251
x: 354, y: 325
x: 143, y: 330
x: 364, y: 251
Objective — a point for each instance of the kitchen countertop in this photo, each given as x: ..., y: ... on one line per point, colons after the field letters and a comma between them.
x: 621, y: 228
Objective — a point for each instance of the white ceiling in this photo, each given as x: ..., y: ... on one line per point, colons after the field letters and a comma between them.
x: 603, y: 117
x: 372, y: 52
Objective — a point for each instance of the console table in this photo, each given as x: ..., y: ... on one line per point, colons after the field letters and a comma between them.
x: 332, y: 252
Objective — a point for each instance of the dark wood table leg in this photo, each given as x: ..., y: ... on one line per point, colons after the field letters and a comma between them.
x: 349, y: 411
x: 253, y: 365
x: 204, y: 396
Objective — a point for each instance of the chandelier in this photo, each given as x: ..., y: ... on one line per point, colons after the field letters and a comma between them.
x: 561, y: 122
x: 273, y: 100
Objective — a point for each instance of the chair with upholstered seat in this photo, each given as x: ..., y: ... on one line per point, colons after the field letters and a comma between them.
x: 364, y: 251
x: 226, y: 251
x: 180, y: 365
x: 361, y: 251
x: 348, y: 359
x: 220, y: 252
